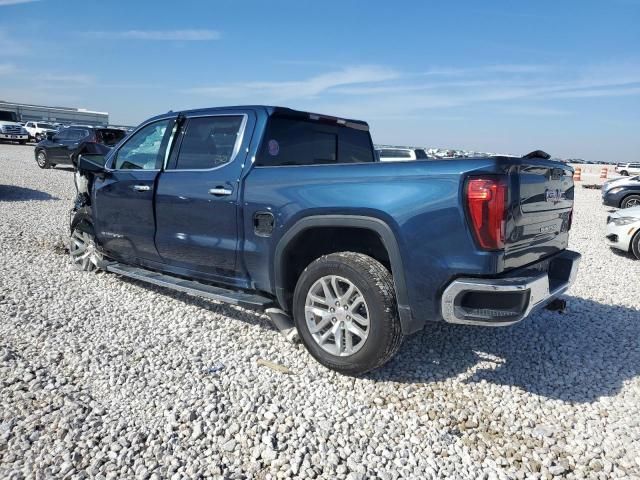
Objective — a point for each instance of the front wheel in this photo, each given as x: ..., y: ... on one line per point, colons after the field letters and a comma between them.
x: 624, y: 173
x: 630, y: 201
x: 83, y: 250
x: 346, y: 314
x: 42, y: 160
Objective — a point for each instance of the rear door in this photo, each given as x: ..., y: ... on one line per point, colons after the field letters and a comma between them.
x: 198, y: 195
x: 124, y: 198
x: 542, y: 205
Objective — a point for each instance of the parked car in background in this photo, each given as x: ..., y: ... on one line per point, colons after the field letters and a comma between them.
x: 622, y: 194
x: 289, y: 211
x: 626, y: 169
x: 64, y: 146
x: 617, y: 182
x: 38, y: 131
x: 623, y: 230
x: 11, y: 130
x: 401, y: 154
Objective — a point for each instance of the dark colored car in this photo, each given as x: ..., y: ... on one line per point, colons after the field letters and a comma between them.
x: 623, y: 196
x: 290, y: 212
x: 64, y: 146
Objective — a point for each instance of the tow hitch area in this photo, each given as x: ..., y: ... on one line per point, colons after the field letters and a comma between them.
x: 557, y: 305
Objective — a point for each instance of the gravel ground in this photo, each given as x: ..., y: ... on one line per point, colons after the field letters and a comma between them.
x: 107, y: 378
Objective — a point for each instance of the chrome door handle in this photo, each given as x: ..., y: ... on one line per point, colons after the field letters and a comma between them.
x: 141, y: 188
x: 220, y: 191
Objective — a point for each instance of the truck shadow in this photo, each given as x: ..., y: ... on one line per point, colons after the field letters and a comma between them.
x: 12, y: 193
x: 577, y: 356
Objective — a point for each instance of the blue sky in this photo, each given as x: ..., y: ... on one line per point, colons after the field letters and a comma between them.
x: 500, y: 76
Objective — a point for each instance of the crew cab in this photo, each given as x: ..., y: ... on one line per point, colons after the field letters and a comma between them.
x: 290, y: 212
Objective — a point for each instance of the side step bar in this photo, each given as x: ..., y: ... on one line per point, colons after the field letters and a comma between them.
x: 242, y: 299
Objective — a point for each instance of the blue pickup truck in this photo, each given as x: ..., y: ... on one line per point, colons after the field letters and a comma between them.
x: 291, y: 213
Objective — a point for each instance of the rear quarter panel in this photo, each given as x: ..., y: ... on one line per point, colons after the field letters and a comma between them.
x: 420, y: 201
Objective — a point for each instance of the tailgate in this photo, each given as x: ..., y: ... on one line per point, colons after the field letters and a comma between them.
x: 540, y: 211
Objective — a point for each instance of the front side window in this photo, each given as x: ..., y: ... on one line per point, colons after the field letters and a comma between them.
x: 294, y: 141
x: 209, y: 142
x: 145, y: 149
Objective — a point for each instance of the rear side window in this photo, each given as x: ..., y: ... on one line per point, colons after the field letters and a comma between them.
x: 209, y: 142
x: 109, y: 136
x: 294, y: 141
x: 77, y: 133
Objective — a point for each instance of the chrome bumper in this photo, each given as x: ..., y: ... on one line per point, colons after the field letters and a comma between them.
x: 485, y: 301
x: 14, y: 136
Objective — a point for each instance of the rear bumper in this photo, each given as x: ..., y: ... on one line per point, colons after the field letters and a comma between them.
x: 508, y: 299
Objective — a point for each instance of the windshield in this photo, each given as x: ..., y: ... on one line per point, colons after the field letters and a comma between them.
x: 8, y: 116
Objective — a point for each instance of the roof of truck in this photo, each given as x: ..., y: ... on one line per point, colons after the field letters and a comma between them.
x: 288, y: 112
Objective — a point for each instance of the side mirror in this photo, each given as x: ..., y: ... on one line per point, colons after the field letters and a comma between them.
x: 91, y: 163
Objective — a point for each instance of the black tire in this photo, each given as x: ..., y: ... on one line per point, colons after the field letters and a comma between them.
x: 42, y: 160
x: 38, y: 137
x: 376, y: 286
x: 635, y: 245
x: 630, y: 201
x: 624, y: 173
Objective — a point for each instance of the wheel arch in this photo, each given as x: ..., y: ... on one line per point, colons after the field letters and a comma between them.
x: 317, y: 223
x: 630, y: 194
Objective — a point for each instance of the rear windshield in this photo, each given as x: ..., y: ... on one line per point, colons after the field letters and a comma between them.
x: 110, y: 136
x: 295, y: 141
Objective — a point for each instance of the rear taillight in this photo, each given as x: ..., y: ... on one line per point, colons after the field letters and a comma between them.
x: 486, y: 199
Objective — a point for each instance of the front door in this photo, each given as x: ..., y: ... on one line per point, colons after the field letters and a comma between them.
x: 197, y: 195
x: 124, y: 196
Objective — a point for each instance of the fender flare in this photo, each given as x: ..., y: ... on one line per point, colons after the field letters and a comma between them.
x: 354, y: 221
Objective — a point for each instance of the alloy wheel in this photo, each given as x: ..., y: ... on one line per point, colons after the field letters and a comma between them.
x: 337, y: 315
x: 83, y: 251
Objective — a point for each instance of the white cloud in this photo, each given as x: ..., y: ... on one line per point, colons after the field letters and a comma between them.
x: 189, y: 35
x: 4, y: 3
x: 310, y: 87
x: 68, y: 79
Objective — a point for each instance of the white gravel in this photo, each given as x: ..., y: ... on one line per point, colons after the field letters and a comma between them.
x: 101, y: 377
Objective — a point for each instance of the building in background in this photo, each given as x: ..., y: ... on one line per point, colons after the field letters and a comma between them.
x: 63, y: 115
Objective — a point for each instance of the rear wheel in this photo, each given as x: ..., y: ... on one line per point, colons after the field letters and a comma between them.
x: 42, y: 160
x: 38, y: 137
x: 630, y: 201
x: 346, y: 314
x: 82, y: 248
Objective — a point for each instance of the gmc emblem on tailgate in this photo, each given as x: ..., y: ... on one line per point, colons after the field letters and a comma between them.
x: 554, y: 196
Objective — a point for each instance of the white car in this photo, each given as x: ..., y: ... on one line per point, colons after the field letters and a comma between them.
x: 626, y: 169
x: 38, y: 130
x: 13, y: 132
x: 623, y: 230
x: 393, y: 154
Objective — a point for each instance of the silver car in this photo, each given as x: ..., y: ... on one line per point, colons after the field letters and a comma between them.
x: 623, y: 230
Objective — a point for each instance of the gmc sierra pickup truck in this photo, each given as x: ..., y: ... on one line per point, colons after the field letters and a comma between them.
x: 289, y: 212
